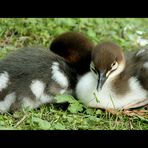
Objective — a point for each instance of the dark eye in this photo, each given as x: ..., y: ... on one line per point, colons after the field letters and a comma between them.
x: 113, y: 64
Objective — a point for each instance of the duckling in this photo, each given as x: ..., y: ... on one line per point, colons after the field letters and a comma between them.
x: 115, y: 82
x: 30, y: 77
x: 75, y: 48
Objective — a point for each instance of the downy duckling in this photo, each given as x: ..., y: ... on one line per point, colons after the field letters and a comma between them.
x: 115, y: 82
x: 75, y: 48
x: 30, y: 77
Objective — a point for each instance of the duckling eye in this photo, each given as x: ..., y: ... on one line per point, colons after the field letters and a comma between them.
x: 114, y: 65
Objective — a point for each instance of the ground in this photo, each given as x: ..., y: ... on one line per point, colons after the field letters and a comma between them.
x: 19, y: 32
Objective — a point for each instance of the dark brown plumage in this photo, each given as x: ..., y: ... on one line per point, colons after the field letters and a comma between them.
x: 76, y: 48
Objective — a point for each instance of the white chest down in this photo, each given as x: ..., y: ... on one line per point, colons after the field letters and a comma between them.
x: 106, y: 98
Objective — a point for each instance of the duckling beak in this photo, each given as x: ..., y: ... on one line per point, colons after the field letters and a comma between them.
x: 101, y: 80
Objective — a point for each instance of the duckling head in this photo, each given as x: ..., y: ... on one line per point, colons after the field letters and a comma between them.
x: 107, y: 62
x: 75, y: 48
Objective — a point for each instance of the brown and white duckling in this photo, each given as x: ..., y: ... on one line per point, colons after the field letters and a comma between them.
x: 75, y: 48
x: 115, y: 82
x: 30, y: 77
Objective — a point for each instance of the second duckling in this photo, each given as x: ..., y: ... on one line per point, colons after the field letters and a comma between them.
x: 30, y: 77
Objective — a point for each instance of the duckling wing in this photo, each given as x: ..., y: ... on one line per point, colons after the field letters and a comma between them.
x: 137, y: 66
x: 27, y: 64
x: 23, y: 66
x: 25, y: 61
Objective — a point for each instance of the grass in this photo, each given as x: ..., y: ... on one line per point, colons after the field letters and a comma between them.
x: 19, y: 32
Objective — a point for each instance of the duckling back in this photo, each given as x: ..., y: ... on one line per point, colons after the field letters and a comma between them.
x: 32, y: 77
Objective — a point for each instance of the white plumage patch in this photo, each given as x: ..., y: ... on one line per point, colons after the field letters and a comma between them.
x: 4, y: 78
x: 37, y: 88
x: 46, y: 98
x: 85, y: 87
x: 28, y: 102
x: 58, y: 76
x: 62, y: 91
x: 106, y: 98
x: 140, y: 52
x: 7, y: 102
x: 145, y: 65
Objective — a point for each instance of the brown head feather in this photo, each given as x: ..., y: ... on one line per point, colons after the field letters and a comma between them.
x: 104, y: 54
x: 71, y: 44
x: 75, y: 47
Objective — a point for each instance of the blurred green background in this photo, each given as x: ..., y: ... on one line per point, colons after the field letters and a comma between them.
x: 19, y: 32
